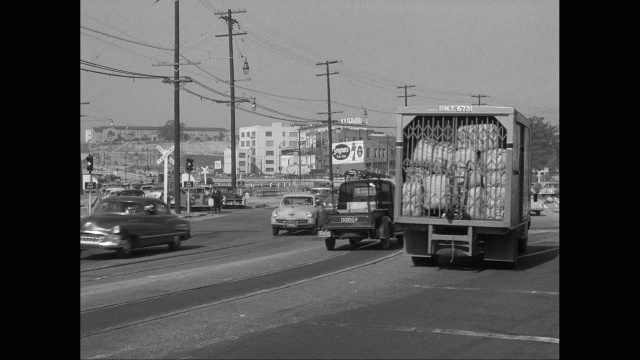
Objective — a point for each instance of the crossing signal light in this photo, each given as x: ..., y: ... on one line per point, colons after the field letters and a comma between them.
x: 189, y: 164
x: 89, y: 162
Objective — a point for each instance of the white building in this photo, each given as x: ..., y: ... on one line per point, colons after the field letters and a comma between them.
x: 264, y: 145
x: 243, y: 165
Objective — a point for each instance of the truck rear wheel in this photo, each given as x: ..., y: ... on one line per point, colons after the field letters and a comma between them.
x: 385, y: 237
x: 418, y: 261
x: 330, y: 243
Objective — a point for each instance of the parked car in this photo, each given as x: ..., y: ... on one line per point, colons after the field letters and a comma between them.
x: 125, y: 223
x: 298, y: 211
x: 550, y: 189
x: 229, y: 197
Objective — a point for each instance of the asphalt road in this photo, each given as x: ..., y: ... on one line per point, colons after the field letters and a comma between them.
x: 235, y: 291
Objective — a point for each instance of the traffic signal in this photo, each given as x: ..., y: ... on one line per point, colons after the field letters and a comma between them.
x: 89, y: 162
x: 189, y: 164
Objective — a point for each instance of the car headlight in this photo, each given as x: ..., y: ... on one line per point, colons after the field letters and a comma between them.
x: 274, y: 214
x: 116, y: 229
x: 309, y: 214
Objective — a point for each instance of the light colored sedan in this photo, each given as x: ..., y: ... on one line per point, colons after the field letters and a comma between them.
x: 298, y: 211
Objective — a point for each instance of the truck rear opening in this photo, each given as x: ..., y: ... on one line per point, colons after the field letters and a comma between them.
x: 454, y: 166
x: 464, y: 177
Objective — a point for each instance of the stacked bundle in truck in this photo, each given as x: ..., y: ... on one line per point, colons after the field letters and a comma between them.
x: 479, y: 137
x: 435, y: 190
x: 416, y: 173
x: 412, y: 193
x: 443, y: 153
x: 495, y: 178
x: 495, y: 159
x: 423, y: 152
x: 465, y: 167
x: 494, y: 201
x: 476, y: 202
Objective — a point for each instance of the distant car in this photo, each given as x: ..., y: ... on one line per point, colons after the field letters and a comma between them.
x: 129, y: 192
x: 298, y: 211
x: 125, y: 223
x: 230, y: 198
x: 550, y: 189
x: 108, y: 192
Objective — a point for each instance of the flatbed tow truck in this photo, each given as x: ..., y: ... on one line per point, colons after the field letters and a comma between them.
x: 365, y: 212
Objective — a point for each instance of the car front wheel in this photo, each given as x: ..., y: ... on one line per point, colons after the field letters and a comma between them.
x: 125, y: 250
x: 175, y: 244
x: 274, y: 231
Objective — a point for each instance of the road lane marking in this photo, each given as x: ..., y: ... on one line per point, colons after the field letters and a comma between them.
x: 488, y: 289
x: 443, y: 331
x: 543, y: 231
x: 498, y: 336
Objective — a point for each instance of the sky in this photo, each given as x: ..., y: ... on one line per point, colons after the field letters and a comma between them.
x: 445, y: 51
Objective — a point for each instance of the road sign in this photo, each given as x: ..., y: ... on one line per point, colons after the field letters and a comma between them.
x: 240, y: 183
x: 90, y: 185
x: 188, y: 184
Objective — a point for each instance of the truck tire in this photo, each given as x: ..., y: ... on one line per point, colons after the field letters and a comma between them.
x: 274, y: 231
x: 353, y: 241
x: 385, y: 237
x: 330, y: 243
x: 400, y: 240
x: 418, y: 261
x: 431, y: 261
x: 522, y: 241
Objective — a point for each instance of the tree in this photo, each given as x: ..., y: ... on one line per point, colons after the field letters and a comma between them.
x: 545, y: 144
x: 167, y: 130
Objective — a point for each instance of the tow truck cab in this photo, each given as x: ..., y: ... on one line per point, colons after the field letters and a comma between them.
x: 365, y: 211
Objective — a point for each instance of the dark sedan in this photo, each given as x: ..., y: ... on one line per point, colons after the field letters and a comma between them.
x: 124, y: 223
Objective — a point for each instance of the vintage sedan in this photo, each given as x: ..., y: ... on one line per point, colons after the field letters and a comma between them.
x: 230, y: 197
x: 125, y: 223
x: 298, y: 211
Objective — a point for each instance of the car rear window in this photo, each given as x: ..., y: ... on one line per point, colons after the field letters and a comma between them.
x: 118, y: 207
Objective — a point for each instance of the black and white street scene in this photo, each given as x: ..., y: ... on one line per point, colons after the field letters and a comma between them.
x: 334, y: 179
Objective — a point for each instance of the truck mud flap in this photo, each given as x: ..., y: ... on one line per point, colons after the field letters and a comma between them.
x: 416, y: 243
x: 501, y: 247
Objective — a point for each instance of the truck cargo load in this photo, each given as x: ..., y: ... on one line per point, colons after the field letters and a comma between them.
x: 464, y: 176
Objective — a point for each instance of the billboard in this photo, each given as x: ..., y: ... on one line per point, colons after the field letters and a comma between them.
x: 350, y: 152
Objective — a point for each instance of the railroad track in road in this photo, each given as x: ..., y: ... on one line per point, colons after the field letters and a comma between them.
x: 103, y: 319
x: 178, y: 255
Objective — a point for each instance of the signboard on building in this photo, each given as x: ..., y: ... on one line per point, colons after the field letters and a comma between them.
x: 350, y: 152
x: 217, y: 165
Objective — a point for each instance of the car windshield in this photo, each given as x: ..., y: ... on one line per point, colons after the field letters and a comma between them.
x: 118, y: 207
x: 297, y: 200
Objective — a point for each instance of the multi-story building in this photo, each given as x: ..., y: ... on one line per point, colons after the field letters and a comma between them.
x: 378, y: 149
x: 243, y: 164
x: 101, y: 134
x: 265, y: 144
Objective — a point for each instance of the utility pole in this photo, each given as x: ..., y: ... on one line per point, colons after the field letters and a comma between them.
x: 232, y: 104
x: 326, y: 63
x: 405, y: 92
x: 479, y: 96
x: 299, y: 158
x: 176, y: 107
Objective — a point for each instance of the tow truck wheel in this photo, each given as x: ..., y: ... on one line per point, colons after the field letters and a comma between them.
x: 330, y: 243
x: 274, y: 231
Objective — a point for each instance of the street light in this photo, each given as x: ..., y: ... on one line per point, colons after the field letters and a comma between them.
x: 245, y: 67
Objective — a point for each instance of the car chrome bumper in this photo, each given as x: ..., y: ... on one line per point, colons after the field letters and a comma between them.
x: 91, y: 241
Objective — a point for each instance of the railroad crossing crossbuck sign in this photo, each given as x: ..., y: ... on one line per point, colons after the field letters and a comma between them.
x: 165, y: 154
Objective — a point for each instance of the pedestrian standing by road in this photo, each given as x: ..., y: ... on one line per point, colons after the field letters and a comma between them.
x: 217, y: 200
x: 536, y: 190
